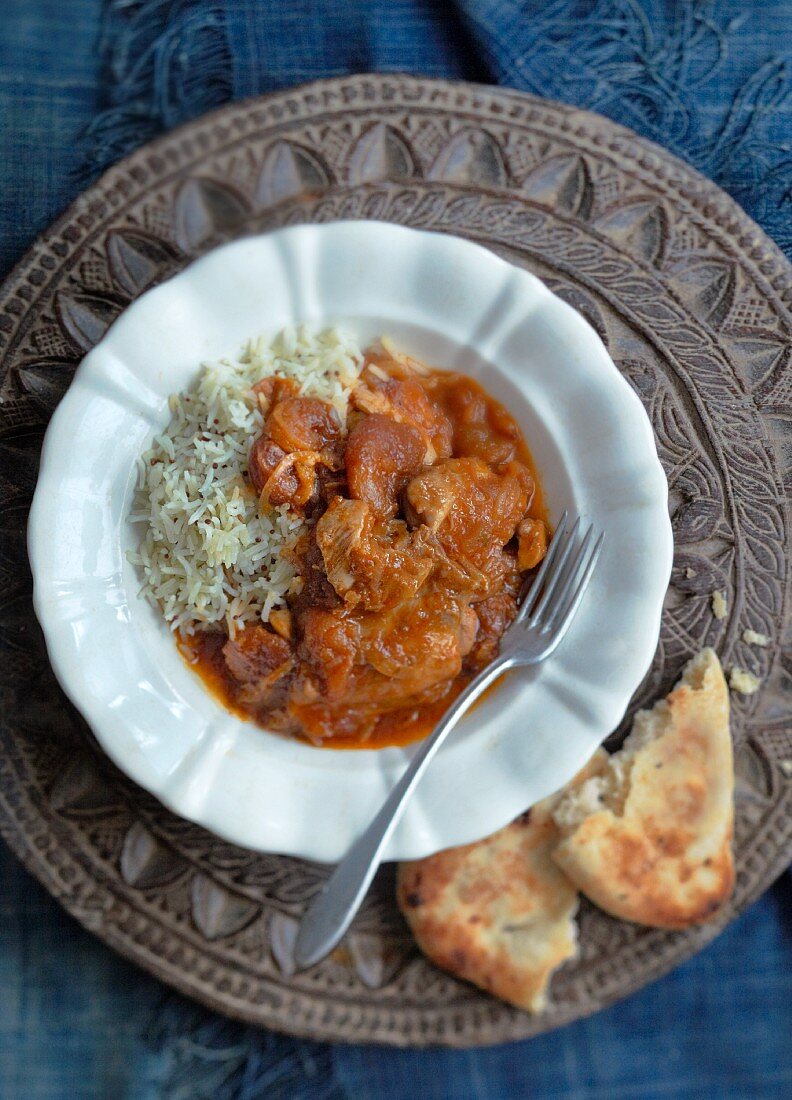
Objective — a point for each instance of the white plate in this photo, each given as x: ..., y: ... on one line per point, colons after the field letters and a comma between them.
x: 457, y: 306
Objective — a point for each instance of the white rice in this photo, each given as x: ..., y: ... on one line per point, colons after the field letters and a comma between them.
x: 208, y: 554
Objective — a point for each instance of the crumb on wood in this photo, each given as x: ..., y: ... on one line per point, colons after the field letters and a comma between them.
x: 753, y: 637
x: 786, y: 768
x: 743, y: 682
x: 719, y: 605
x: 690, y: 573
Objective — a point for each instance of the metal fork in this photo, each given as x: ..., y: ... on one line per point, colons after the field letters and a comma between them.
x: 544, y: 618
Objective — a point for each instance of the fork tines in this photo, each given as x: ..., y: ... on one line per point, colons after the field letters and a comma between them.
x: 558, y: 586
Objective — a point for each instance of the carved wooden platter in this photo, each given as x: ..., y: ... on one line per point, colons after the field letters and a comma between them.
x: 693, y: 302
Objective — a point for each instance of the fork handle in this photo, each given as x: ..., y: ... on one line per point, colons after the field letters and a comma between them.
x: 332, y: 910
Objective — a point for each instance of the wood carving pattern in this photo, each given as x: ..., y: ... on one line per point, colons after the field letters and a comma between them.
x: 693, y: 302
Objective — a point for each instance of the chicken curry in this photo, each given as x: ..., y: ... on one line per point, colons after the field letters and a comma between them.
x: 423, y: 516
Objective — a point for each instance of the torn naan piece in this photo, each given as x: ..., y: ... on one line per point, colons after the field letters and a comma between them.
x: 649, y: 839
x: 498, y: 913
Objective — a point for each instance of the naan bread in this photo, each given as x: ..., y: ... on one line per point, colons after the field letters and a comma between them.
x: 649, y: 840
x: 498, y: 913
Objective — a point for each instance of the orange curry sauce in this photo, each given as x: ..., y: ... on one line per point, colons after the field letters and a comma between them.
x: 204, y: 650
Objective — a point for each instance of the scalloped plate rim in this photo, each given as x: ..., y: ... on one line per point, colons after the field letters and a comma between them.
x: 300, y: 843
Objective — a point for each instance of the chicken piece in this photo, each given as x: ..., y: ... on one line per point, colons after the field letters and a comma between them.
x: 394, y: 363
x: 338, y: 534
x: 368, y: 397
x: 272, y: 389
x: 417, y: 643
x: 381, y: 457
x: 316, y: 591
x: 261, y: 663
x: 269, y: 692
x: 254, y: 653
x: 463, y: 579
x: 431, y: 496
x: 495, y: 616
x: 404, y: 657
x: 321, y: 721
x: 468, y: 629
x: 331, y: 482
x: 532, y: 543
x: 293, y: 481
x: 371, y: 565
x: 523, y: 475
x: 303, y: 424
x: 473, y: 513
x: 481, y: 429
x: 265, y: 455
x: 406, y: 401
x: 421, y: 641
x: 300, y: 434
x: 410, y: 653
x: 393, y: 566
x: 329, y: 646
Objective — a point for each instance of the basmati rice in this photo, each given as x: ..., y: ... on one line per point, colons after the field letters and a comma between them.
x: 209, y: 553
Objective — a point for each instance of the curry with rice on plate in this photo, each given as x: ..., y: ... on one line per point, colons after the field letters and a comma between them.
x: 402, y: 514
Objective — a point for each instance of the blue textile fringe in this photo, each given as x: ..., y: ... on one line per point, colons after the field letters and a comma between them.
x: 676, y: 73
x: 201, y: 1056
x: 679, y: 73
x: 165, y: 62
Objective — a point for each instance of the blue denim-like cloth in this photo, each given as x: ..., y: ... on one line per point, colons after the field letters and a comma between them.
x: 81, y: 83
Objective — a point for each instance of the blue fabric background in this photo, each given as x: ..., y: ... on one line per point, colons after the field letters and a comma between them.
x: 83, y: 82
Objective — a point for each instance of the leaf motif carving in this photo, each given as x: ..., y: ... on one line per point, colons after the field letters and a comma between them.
x: 277, y: 876
x: 708, y: 288
x: 562, y: 183
x: 584, y: 304
x: 767, y: 556
x: 218, y: 911
x: 137, y: 259
x: 225, y: 856
x: 376, y: 959
x: 148, y: 862
x: 751, y: 778
x: 205, y: 209
x: 641, y: 377
x: 283, y: 936
x: 380, y: 154
x: 86, y: 317
x: 81, y: 786
x: 696, y: 521
x: 472, y: 156
x: 639, y: 227
x: 20, y: 446
x: 781, y: 431
x: 46, y: 380
x: 290, y: 169
x: 759, y: 360
x: 694, y: 573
